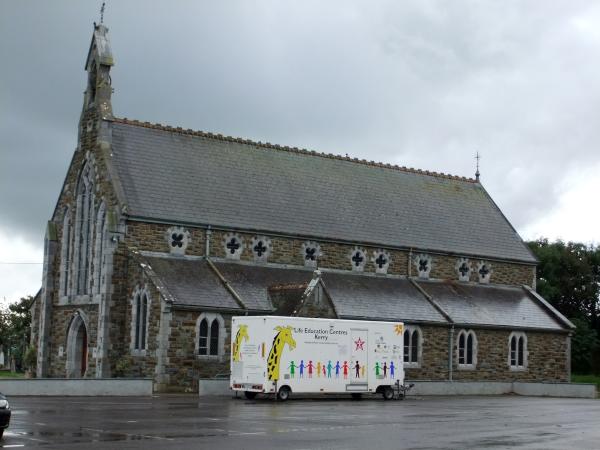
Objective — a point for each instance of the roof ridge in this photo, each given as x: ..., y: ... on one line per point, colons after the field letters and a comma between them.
x: 189, y: 131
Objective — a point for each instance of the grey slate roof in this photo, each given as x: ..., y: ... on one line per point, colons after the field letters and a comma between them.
x: 191, y: 283
x: 378, y: 298
x: 202, y: 179
x: 253, y: 282
x: 490, y: 305
x: 194, y: 283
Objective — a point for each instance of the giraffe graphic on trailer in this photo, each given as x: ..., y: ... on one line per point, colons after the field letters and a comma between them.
x: 242, y: 334
x: 283, y: 337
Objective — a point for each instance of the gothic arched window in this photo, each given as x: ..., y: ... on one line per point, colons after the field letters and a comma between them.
x: 140, y: 312
x: 467, y: 349
x: 210, y: 332
x: 83, y: 230
x: 412, y: 346
x: 203, y: 338
x: 65, y: 256
x: 99, y: 247
x: 214, y: 337
x: 517, y: 351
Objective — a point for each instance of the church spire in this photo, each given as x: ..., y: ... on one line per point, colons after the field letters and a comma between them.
x: 99, y: 61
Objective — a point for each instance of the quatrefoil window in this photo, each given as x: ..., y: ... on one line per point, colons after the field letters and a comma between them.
x: 311, y: 251
x: 358, y: 259
x: 484, y: 270
x: 463, y: 268
x: 261, y: 248
x: 178, y: 239
x: 381, y: 259
x: 423, y: 265
x: 233, y: 246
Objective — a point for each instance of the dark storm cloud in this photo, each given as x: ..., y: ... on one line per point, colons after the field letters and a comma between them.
x: 422, y: 84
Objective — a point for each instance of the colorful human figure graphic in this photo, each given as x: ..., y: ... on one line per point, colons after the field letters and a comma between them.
x: 310, y: 366
x: 323, y: 368
x: 362, y: 371
x: 337, y: 369
x: 319, y: 368
x: 345, y: 367
x: 385, y: 370
x: 357, y: 368
x: 377, y: 369
x: 392, y: 369
x: 292, y: 368
x: 301, y: 367
x: 329, y: 367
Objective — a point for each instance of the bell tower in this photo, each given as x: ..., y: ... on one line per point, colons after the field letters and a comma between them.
x: 99, y: 61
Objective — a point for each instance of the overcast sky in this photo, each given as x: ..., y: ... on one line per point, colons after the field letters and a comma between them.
x: 424, y: 84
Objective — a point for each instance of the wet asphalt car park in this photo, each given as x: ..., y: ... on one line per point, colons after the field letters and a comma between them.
x: 185, y: 421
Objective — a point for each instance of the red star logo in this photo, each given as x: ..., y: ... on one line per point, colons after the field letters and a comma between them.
x: 359, y: 344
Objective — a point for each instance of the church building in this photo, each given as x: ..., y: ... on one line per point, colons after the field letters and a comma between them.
x: 161, y: 234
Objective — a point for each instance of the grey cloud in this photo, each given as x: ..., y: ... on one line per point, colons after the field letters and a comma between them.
x: 422, y: 84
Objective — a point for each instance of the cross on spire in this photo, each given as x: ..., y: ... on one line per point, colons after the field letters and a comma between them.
x: 102, y: 12
x: 477, y: 157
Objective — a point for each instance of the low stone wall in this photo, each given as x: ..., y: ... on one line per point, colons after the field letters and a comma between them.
x: 77, y: 386
x: 574, y: 390
x: 221, y: 387
x: 214, y: 387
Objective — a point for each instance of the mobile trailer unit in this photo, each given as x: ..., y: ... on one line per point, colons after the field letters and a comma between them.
x: 281, y: 355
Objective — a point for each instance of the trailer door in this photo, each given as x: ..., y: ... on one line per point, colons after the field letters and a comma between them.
x: 358, y: 374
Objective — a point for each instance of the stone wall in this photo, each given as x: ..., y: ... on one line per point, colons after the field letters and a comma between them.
x: 434, y: 361
x: 151, y: 237
x: 547, y: 357
x: 184, y: 366
x: 61, y: 319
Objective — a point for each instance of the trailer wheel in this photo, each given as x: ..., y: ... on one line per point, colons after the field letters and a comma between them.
x: 387, y: 392
x: 250, y: 395
x: 284, y: 393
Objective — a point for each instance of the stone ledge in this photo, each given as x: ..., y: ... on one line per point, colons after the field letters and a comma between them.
x: 77, y: 386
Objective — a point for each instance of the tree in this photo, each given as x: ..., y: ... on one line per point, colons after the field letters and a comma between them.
x: 15, y: 327
x: 569, y: 278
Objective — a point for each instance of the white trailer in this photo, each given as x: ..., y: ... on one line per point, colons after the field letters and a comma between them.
x: 284, y: 355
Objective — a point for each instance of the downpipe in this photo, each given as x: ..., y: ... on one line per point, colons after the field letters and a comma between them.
x: 450, y: 353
